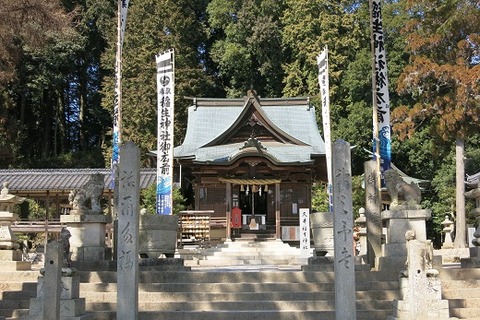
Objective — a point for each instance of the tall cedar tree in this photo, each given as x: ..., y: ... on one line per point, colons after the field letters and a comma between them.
x: 444, y: 78
x: 37, y: 49
x: 154, y: 27
x: 247, y: 47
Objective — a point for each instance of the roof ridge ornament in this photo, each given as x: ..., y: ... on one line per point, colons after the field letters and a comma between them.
x: 252, y: 94
x: 253, y: 142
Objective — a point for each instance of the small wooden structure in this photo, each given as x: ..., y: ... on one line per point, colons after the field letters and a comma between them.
x: 51, y: 187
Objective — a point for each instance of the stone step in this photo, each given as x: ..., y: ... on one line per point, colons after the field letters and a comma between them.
x: 246, y: 315
x: 460, y: 284
x: 460, y: 293
x: 220, y: 261
x: 265, y: 250
x: 279, y: 290
x: 15, y: 304
x: 253, y: 244
x: 465, y: 313
x: 238, y: 287
x: 466, y: 303
x: 446, y: 274
x: 252, y: 252
x: 251, y: 256
x: 257, y: 305
x: 235, y: 276
x: 20, y: 276
x: 13, y: 313
x: 188, y: 297
x: 19, y: 294
x: 9, y: 286
x: 461, y: 287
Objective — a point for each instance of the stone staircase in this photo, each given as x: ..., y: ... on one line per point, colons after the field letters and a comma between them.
x: 258, y: 290
x: 16, y: 289
x: 461, y: 287
x: 246, y: 252
x: 218, y: 295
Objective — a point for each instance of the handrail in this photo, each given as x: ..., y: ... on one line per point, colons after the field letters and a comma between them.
x: 37, y: 226
x: 38, y: 222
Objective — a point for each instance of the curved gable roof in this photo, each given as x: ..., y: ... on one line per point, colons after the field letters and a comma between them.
x: 291, y: 120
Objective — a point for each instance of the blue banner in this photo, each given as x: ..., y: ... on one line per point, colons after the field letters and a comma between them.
x: 381, y: 95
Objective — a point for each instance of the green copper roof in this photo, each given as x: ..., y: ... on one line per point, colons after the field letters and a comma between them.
x: 210, y: 119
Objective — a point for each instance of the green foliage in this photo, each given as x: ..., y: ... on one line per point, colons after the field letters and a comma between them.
x: 32, y: 210
x: 57, y: 80
x: 320, y: 201
x: 358, y: 194
x: 249, y: 53
x: 152, y: 28
x: 57, y: 76
x: 309, y: 26
x: 444, y: 71
x: 149, y: 200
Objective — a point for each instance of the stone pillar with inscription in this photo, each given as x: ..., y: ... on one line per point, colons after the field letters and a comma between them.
x: 373, y: 206
x: 10, y: 256
x: 128, y: 225
x: 344, y: 263
x: 58, y: 289
x: 420, y: 287
x: 86, y: 222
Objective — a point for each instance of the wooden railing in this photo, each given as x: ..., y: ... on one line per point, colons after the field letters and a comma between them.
x: 53, y: 226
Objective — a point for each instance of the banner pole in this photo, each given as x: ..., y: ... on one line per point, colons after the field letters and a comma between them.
x: 376, y: 139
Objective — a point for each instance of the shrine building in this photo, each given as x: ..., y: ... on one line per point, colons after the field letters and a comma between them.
x: 254, y: 154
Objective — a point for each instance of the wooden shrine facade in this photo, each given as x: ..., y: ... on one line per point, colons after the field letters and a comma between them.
x: 259, y: 155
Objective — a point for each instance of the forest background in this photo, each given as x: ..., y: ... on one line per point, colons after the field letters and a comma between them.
x: 57, y: 77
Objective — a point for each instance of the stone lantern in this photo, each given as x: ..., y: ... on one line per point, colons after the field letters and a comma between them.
x: 447, y: 225
x: 8, y: 240
x: 10, y: 257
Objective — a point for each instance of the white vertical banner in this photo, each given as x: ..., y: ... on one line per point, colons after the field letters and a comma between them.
x: 322, y: 62
x: 165, y: 91
x: 123, y: 19
x: 117, y: 103
x: 305, y: 231
x: 381, y: 95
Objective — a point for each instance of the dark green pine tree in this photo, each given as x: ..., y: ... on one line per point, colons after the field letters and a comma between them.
x: 154, y: 27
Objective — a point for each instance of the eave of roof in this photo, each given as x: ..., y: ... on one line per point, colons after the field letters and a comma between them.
x: 27, y: 180
x: 277, y: 153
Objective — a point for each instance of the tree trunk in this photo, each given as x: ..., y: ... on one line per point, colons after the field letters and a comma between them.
x: 460, y: 223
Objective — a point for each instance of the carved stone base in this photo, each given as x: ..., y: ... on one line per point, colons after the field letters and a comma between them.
x: 322, y: 231
x: 157, y: 235
x: 87, y: 242
x: 71, y: 305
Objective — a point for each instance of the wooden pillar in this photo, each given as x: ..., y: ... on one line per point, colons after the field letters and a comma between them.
x: 57, y: 207
x: 110, y: 203
x: 47, y: 204
x: 196, y: 189
x: 228, y: 196
x: 278, y: 230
